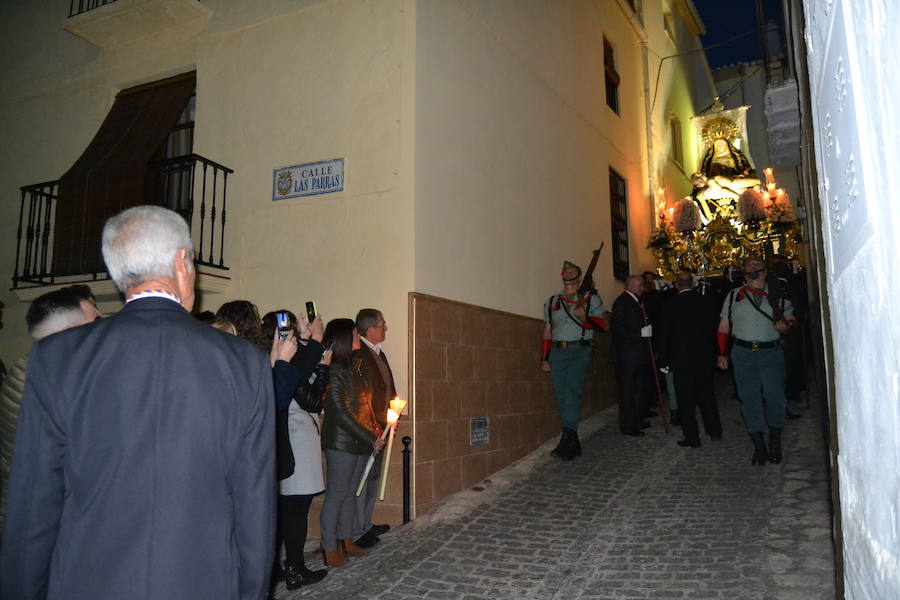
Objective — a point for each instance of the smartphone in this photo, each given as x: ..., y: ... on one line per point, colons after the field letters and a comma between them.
x: 284, y: 324
x: 311, y: 311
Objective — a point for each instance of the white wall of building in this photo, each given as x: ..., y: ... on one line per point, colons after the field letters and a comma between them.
x: 852, y: 50
x: 279, y: 83
x: 514, y: 140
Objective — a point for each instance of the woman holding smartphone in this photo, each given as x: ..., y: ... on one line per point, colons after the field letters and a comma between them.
x: 349, y: 434
x: 298, y: 453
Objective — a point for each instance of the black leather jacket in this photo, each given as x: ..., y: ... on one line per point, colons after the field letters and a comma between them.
x: 349, y: 423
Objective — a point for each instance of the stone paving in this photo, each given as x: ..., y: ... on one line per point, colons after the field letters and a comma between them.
x: 631, y: 518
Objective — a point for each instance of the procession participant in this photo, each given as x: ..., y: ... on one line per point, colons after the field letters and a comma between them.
x: 756, y: 318
x: 631, y: 330
x: 792, y: 287
x: 687, y: 347
x: 570, y: 320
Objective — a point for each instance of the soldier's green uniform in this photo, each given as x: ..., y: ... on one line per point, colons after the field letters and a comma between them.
x: 756, y: 356
x: 570, y: 355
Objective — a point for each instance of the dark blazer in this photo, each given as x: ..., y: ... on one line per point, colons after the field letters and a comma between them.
x: 144, y: 463
x: 687, y: 333
x: 380, y: 387
x: 629, y: 348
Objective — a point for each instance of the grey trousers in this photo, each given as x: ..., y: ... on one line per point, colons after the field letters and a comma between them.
x: 338, y: 516
x: 365, y: 502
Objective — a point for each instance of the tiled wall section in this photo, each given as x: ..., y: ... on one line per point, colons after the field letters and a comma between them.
x: 476, y: 362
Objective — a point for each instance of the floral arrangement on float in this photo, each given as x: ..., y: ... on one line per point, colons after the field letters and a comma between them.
x: 759, y: 220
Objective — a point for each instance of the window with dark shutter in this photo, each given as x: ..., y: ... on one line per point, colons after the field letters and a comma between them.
x: 611, y: 76
x: 618, y: 204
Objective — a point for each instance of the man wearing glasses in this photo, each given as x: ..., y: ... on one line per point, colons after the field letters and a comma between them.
x: 372, y: 331
x: 756, y: 318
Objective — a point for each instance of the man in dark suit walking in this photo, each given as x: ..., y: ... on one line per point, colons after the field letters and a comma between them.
x: 372, y: 332
x: 631, y: 332
x: 144, y: 461
x: 687, y: 346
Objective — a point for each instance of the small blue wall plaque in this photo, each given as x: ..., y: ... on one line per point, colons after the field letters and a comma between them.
x: 310, y: 179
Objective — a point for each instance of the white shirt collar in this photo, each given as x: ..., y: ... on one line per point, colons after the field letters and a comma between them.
x: 636, y: 299
x: 376, y: 348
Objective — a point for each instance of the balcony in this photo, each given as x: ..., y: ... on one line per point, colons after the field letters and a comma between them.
x: 106, y: 23
x: 77, y: 7
x: 191, y: 185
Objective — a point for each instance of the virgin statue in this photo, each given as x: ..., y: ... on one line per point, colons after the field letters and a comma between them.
x: 725, y: 172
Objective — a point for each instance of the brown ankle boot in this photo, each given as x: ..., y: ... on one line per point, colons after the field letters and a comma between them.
x: 351, y: 549
x: 334, y: 558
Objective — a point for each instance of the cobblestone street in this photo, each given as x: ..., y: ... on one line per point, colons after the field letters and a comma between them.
x: 631, y: 518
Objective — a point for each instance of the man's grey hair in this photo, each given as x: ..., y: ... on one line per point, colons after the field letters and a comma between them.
x: 367, y: 317
x: 140, y: 244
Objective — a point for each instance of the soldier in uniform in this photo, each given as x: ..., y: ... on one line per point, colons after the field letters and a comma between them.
x: 571, y: 319
x: 756, y: 317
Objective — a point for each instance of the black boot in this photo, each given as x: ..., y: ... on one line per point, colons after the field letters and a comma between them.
x: 571, y: 446
x: 774, y: 445
x: 759, y: 449
x: 563, y: 438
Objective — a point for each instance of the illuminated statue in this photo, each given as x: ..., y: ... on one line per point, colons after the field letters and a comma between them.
x: 725, y: 172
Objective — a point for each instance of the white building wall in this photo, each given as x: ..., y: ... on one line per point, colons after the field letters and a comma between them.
x: 279, y: 83
x: 852, y: 53
x: 514, y: 140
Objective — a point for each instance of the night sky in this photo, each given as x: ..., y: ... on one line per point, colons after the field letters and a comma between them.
x: 725, y: 19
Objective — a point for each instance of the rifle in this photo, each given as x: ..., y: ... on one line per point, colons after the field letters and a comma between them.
x: 587, y: 282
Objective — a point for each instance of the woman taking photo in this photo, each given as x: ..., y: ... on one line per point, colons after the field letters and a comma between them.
x: 349, y: 435
x: 298, y: 452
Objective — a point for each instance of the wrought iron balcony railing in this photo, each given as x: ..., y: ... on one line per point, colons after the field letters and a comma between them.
x: 191, y: 185
x: 76, y: 7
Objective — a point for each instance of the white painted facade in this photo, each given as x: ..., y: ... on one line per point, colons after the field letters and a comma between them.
x: 852, y: 49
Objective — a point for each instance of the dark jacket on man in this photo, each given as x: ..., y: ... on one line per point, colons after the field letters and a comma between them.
x: 144, y: 463
x: 382, y: 390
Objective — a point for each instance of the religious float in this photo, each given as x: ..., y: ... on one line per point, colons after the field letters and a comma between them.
x: 730, y: 213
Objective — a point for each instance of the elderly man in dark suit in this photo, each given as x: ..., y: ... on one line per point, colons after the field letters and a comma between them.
x: 144, y: 461
x: 687, y: 346
x: 372, y: 331
x: 631, y: 331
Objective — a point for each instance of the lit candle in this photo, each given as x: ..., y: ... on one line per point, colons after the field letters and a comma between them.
x: 770, y: 178
x: 770, y: 186
x: 393, y: 415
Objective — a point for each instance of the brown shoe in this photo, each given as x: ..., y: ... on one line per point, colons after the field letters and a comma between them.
x: 351, y: 549
x: 334, y: 558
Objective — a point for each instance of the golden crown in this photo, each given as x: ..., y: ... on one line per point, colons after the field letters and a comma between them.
x: 719, y: 127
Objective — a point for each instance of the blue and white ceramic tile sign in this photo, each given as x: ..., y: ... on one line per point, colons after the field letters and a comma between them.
x: 310, y: 179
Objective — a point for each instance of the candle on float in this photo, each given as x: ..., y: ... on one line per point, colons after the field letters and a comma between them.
x: 770, y: 187
x: 770, y: 177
